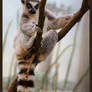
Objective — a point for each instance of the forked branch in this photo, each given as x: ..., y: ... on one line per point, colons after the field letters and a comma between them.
x: 75, y: 18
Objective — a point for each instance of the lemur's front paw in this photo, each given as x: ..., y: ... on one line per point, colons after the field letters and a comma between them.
x: 38, y: 29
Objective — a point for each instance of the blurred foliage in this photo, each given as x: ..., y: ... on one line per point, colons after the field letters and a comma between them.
x: 6, y: 33
x: 60, y: 9
x: 71, y: 57
x: 52, y: 65
x: 17, y: 17
x: 10, y: 71
x: 13, y: 63
x: 81, y: 79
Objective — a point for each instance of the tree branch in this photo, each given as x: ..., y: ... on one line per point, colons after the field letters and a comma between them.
x: 37, y: 42
x: 77, y: 16
x: 41, y: 14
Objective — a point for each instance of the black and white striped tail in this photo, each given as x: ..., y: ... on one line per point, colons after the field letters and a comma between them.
x: 26, y: 77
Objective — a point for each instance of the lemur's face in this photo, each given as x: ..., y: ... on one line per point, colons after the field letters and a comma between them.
x: 30, y: 6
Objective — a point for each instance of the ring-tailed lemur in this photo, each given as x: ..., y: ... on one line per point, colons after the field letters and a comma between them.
x: 25, y: 38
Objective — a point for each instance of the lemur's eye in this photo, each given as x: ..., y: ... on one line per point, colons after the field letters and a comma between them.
x: 37, y: 6
x: 23, y: 1
x: 29, y: 5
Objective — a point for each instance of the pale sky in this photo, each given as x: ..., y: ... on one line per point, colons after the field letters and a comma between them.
x: 74, y: 3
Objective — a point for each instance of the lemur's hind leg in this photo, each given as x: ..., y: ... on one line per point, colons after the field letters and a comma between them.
x: 49, y: 40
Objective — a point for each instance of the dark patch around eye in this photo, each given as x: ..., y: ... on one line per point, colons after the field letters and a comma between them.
x: 34, y: 0
x: 23, y: 1
x: 37, y: 6
x: 29, y: 5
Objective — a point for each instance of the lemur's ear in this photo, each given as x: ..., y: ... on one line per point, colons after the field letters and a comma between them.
x: 23, y: 1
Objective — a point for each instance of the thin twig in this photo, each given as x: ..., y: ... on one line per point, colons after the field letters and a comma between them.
x: 81, y: 79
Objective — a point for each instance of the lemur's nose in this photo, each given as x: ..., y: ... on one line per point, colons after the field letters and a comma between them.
x: 32, y: 11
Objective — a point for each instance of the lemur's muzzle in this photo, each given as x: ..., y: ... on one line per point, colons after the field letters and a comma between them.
x: 32, y: 11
